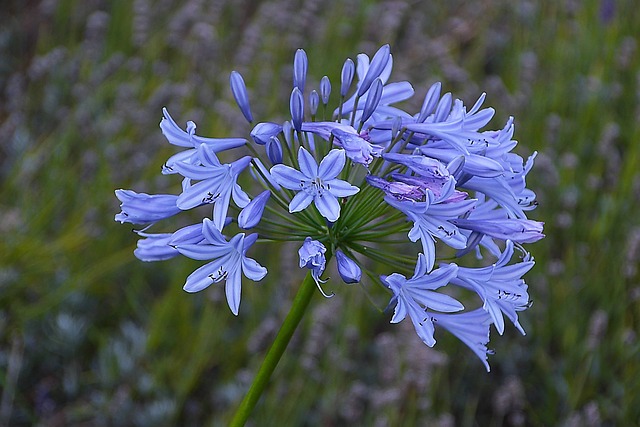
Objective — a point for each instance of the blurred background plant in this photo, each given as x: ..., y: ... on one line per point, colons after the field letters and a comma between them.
x: 91, y: 336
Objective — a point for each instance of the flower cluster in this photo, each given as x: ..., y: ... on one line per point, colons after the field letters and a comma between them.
x: 353, y: 183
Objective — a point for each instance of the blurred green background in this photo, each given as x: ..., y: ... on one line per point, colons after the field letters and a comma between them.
x: 90, y: 336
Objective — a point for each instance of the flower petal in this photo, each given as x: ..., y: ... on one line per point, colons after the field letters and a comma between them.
x: 328, y: 206
x: 300, y: 201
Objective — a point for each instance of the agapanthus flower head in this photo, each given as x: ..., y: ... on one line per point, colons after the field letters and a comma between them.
x: 354, y: 181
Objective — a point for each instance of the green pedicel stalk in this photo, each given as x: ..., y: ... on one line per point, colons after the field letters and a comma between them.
x: 298, y: 308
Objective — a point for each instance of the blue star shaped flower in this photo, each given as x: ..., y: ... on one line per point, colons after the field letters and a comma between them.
x: 317, y: 184
x: 229, y: 262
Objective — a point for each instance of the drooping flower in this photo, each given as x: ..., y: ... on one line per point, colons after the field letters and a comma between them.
x: 312, y: 256
x: 413, y: 296
x: 158, y: 247
x: 317, y: 184
x: 142, y: 208
x: 471, y: 327
x: 228, y: 265
x: 500, y: 286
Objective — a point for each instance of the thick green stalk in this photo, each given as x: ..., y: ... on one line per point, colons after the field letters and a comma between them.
x: 298, y: 308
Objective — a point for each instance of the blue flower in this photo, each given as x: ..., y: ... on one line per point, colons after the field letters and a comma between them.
x: 188, y: 138
x: 316, y: 184
x: 142, y: 208
x: 413, y: 296
x: 217, y: 184
x: 358, y: 149
x: 432, y: 219
x: 472, y: 328
x: 500, y: 286
x: 229, y: 262
x: 157, y: 247
x: 517, y: 230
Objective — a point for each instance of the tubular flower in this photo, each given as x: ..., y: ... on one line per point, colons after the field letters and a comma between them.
x: 353, y: 180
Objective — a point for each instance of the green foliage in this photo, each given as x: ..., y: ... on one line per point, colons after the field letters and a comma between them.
x: 89, y: 335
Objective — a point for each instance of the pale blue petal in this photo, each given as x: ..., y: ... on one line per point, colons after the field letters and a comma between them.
x: 308, y: 165
x: 288, y: 177
x: 233, y: 288
x: 252, y: 270
x: 340, y: 188
x: 328, y: 206
x: 332, y: 164
x: 300, y: 201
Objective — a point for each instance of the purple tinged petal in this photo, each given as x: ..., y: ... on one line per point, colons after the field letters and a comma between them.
x: 473, y: 164
x: 349, y: 271
x: 198, y: 194
x: 250, y: 216
x: 239, y: 90
x: 325, y: 89
x: 296, y: 106
x: 346, y: 77
x: 358, y: 149
x: 300, y: 65
x: 186, y: 156
x: 264, y: 131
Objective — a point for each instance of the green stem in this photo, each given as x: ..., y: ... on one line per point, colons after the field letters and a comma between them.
x: 298, y: 308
